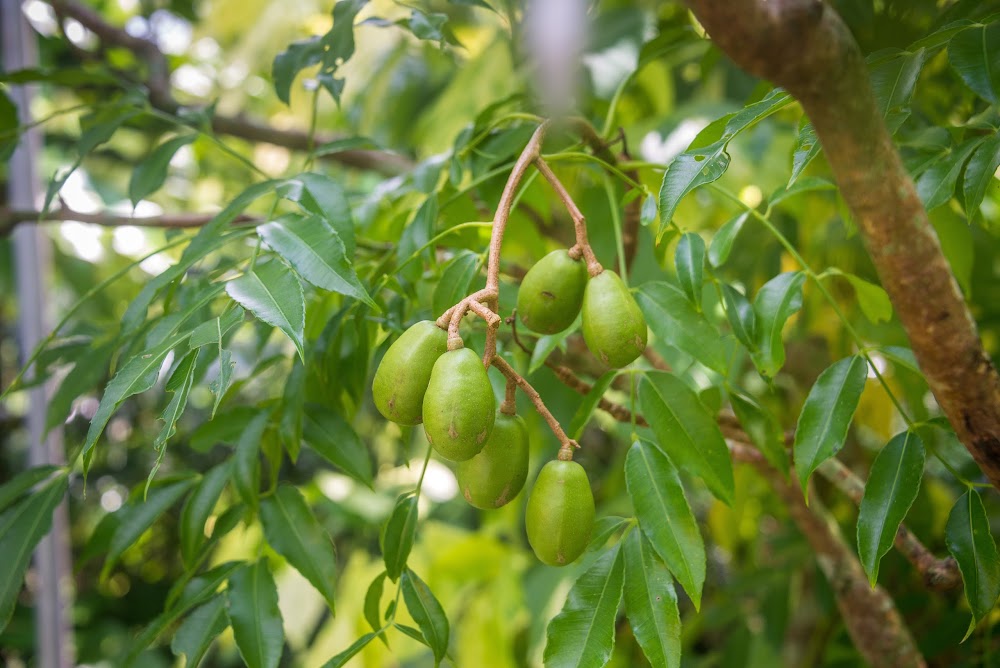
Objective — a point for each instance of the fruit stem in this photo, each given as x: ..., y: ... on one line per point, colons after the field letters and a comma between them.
x: 508, y: 371
x: 565, y: 454
x: 509, y: 405
x: 579, y: 222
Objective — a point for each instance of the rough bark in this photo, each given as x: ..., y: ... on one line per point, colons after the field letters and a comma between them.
x: 804, y: 46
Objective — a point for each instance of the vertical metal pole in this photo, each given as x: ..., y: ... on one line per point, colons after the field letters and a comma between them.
x: 33, y: 260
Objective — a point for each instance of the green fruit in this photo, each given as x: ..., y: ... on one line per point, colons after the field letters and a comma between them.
x: 459, y: 406
x: 613, y: 325
x: 496, y: 475
x: 402, y: 376
x: 560, y: 514
x: 551, y: 293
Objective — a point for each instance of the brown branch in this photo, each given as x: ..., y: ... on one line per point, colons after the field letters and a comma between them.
x: 582, y: 247
x: 157, y: 82
x: 11, y: 218
x: 804, y: 46
x: 508, y: 371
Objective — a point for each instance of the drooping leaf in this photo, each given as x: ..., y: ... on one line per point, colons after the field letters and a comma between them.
x: 589, y: 403
x: 324, y: 196
x: 336, y: 441
x: 827, y: 414
x: 687, y: 432
x: 648, y: 214
x: 674, y: 321
x: 272, y: 293
x: 398, y: 534
x: 980, y: 173
x: 651, y: 603
x: 893, y: 81
x: 149, y: 175
x: 137, y: 515
x: 21, y: 528
x: 807, y: 147
x: 971, y: 542
x: 427, y: 613
x: 254, y: 615
x: 604, y: 529
x: 665, y: 516
x: 13, y: 489
x: 221, y: 384
x: 937, y: 185
x: 316, y: 252
x: 763, y: 429
x: 373, y: 604
x: 211, y: 332
x: 707, y: 160
x: 180, y: 383
x: 582, y: 635
x: 689, y: 259
x: 198, y: 508
x: 135, y: 376
x: 775, y: 303
x: 196, y: 634
x: 246, y: 460
x: 741, y: 316
x: 892, y: 486
x: 291, y: 61
x: 975, y: 55
x: 724, y: 238
x: 294, y: 533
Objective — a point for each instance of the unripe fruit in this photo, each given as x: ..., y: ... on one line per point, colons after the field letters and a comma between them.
x: 459, y: 405
x: 551, y: 293
x: 560, y: 514
x: 496, y: 475
x: 402, y: 376
x: 613, y: 325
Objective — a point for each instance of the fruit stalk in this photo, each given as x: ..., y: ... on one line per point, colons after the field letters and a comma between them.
x: 582, y: 247
x: 509, y: 405
x: 508, y: 371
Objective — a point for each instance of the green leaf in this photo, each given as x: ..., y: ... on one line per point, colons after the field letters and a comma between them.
x: 456, y: 277
x: 774, y: 304
x: 194, y: 592
x: 211, y: 332
x: 373, y: 604
x: 582, y: 635
x: 272, y: 293
x: 892, y: 486
x: 589, y: 403
x: 221, y: 384
x: 872, y: 299
x: 246, y: 460
x: 806, y: 185
x: 323, y: 195
x: 901, y: 356
x: 9, y: 133
x: 689, y: 259
x: 14, y: 488
x: 807, y: 147
x: 706, y: 160
x: 291, y: 61
x: 548, y: 343
x: 651, y: 603
x: 88, y: 371
x: 137, y: 515
x: 980, y: 173
x: 194, y: 637
x: 971, y: 542
x: 21, y: 528
x: 315, y: 251
x: 723, y: 239
x: 893, y: 81
x: 604, y: 529
x: 648, y: 214
x: 335, y: 441
x: 763, y: 429
x: 975, y: 55
x: 937, y: 185
x: 687, y: 432
x: 674, y: 321
x: 741, y: 316
x: 341, y: 659
x: 293, y: 532
x: 149, y: 175
x: 398, y: 534
x: 255, y: 617
x: 826, y: 415
x: 135, y: 376
x: 180, y: 383
x: 427, y: 613
x: 665, y: 516
x: 198, y: 508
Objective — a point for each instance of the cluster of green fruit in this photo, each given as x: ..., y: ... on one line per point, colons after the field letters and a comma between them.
x: 420, y: 381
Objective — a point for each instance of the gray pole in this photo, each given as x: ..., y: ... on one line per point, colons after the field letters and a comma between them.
x: 33, y: 260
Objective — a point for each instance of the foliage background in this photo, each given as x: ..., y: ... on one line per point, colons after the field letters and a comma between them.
x: 452, y: 99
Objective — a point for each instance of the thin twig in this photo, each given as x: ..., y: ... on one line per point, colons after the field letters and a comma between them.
x: 579, y: 222
x: 508, y: 371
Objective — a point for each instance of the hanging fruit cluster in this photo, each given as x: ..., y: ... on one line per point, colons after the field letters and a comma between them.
x: 428, y: 376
